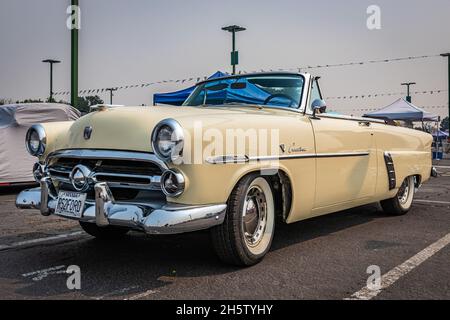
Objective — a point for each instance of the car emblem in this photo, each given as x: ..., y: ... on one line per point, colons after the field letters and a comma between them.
x: 283, y: 147
x: 87, y: 133
x: 80, y: 177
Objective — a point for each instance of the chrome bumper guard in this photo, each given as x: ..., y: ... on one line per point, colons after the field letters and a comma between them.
x: 105, y: 211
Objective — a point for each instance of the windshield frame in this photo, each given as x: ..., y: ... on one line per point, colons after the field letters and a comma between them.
x: 296, y: 107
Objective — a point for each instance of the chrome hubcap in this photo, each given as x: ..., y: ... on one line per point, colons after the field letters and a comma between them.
x: 403, y: 192
x: 254, y: 216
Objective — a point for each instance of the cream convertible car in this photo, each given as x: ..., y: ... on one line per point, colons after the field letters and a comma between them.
x: 123, y: 168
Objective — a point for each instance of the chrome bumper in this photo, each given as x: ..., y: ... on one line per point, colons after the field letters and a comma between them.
x: 104, y: 211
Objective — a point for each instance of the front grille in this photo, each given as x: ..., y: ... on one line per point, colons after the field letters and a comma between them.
x: 118, y: 173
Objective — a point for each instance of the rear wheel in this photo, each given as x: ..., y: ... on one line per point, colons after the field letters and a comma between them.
x: 108, y: 232
x: 246, y: 234
x: 402, y: 202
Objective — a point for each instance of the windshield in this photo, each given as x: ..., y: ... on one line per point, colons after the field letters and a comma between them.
x: 271, y: 90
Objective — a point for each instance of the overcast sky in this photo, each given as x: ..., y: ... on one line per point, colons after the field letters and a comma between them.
x: 140, y: 41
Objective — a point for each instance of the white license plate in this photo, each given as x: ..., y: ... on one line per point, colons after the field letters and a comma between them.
x: 70, y: 204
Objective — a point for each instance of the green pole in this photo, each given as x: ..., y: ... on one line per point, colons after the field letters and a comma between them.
x: 448, y: 82
x: 51, y: 82
x: 447, y: 55
x: 74, y: 62
x: 234, y: 51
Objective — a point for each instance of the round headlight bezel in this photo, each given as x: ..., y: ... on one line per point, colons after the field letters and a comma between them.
x: 42, y: 138
x: 180, y: 180
x: 177, y: 137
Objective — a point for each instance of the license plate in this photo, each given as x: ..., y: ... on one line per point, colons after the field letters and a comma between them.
x: 70, y: 204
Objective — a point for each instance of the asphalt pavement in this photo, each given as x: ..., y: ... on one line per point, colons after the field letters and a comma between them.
x: 321, y: 258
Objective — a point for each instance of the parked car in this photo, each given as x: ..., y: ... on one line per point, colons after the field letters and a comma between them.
x: 166, y: 170
x: 15, y: 119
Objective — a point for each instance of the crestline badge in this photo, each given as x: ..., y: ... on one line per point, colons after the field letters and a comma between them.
x: 87, y: 133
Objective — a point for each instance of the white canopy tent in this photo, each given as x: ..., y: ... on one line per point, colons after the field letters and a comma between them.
x: 15, y: 119
x: 402, y: 110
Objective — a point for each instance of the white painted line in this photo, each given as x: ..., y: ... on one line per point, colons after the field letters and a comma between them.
x: 40, y: 240
x: 142, y: 295
x: 395, y: 274
x: 432, y: 201
x: 41, y: 274
x: 442, y: 167
x: 116, y: 292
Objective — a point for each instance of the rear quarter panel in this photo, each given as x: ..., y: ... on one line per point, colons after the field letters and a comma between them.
x: 411, y: 152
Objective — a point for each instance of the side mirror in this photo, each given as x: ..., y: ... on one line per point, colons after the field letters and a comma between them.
x: 318, y: 105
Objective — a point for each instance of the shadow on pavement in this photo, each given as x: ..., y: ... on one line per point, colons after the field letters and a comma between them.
x: 138, y: 263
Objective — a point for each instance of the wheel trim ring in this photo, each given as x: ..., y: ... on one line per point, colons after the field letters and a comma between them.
x: 404, y: 191
x: 254, y: 238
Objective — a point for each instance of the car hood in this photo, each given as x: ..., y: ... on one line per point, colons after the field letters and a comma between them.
x: 130, y: 128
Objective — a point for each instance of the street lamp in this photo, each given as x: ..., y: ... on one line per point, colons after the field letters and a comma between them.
x: 447, y: 55
x: 51, y: 62
x: 234, y: 54
x: 111, y: 90
x: 408, y: 84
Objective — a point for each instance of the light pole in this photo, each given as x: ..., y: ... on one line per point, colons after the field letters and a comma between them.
x: 51, y: 62
x: 447, y: 55
x: 408, y: 84
x: 234, y: 54
x: 74, y: 54
x: 111, y: 90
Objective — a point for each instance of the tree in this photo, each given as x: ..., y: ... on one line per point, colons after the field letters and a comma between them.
x: 5, y: 101
x: 84, y: 103
x: 444, y: 124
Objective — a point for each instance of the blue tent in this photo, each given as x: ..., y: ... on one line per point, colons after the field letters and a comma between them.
x: 178, y: 97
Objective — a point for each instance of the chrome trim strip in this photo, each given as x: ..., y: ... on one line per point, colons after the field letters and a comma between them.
x: 227, y: 159
x: 343, y: 117
x: 245, y: 159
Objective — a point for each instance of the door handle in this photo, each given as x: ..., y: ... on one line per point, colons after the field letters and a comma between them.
x: 364, y: 123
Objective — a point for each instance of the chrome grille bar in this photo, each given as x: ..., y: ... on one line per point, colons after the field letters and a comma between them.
x: 61, y: 172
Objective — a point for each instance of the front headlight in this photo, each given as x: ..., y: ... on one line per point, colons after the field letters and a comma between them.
x: 168, y: 140
x: 36, y: 140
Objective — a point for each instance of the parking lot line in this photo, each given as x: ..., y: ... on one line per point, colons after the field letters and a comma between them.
x: 432, y: 201
x: 142, y: 295
x: 395, y: 274
x: 39, y: 240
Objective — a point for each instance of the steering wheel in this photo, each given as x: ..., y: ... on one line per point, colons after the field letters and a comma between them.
x: 280, y: 95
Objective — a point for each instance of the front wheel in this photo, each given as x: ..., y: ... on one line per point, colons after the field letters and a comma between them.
x: 246, y: 234
x: 402, y: 202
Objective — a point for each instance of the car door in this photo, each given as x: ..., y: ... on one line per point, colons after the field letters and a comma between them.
x: 346, y: 162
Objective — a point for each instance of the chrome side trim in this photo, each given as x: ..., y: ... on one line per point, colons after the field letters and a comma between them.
x: 227, y: 159
x: 392, y: 180
x: 107, y: 154
x: 245, y: 159
x: 344, y: 117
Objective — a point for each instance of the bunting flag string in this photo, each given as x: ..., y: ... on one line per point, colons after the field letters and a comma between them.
x: 423, y: 107
x: 376, y: 95
x: 296, y: 69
